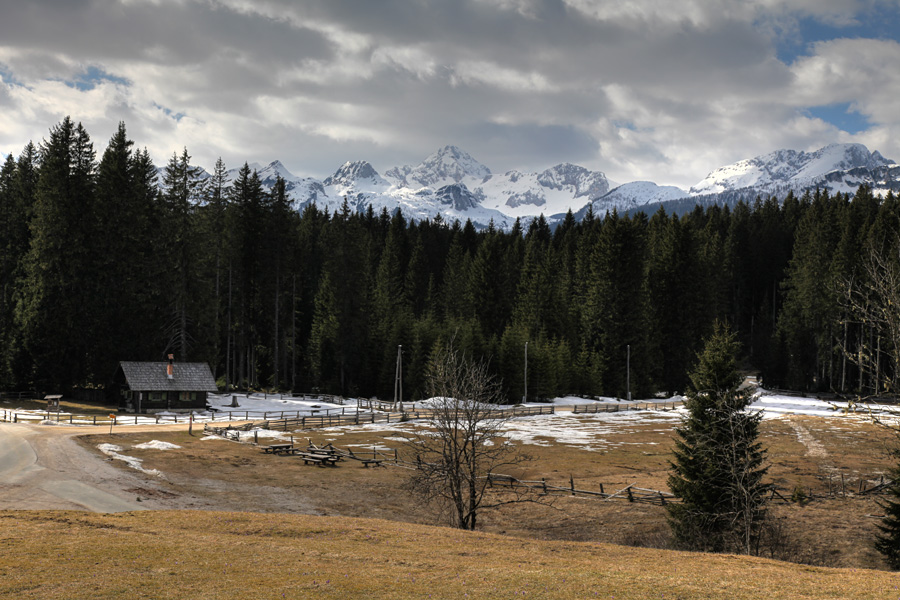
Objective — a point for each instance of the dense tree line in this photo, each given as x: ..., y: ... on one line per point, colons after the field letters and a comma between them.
x: 107, y: 260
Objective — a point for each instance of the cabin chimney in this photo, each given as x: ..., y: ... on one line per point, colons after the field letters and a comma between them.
x: 170, y: 368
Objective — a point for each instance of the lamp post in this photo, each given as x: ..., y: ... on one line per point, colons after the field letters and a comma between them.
x: 398, y: 378
x: 628, y: 371
x: 525, y: 395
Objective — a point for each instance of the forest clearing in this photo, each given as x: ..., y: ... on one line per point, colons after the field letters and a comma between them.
x: 251, y: 522
x: 819, y: 465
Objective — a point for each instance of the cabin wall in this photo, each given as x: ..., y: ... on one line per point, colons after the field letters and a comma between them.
x: 156, y: 401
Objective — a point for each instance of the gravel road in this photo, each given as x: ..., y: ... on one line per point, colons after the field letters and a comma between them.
x: 42, y: 467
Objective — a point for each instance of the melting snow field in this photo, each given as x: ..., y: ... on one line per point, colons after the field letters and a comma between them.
x: 775, y: 405
x: 591, y: 431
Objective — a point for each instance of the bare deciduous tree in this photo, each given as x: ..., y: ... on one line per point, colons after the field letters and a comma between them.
x: 873, y: 302
x: 465, y: 441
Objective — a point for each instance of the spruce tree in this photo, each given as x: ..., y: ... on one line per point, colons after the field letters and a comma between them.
x: 888, y: 539
x: 718, y: 463
x: 56, y: 312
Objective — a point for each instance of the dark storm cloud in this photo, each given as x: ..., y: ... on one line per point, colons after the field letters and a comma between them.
x: 169, y: 33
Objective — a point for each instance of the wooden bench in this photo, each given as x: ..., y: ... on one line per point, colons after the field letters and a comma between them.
x: 371, y: 461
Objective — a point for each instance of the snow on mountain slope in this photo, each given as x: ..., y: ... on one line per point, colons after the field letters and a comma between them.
x: 550, y: 192
x: 447, y: 166
x: 636, y: 194
x: 360, y: 176
x: 788, y: 169
x: 454, y: 185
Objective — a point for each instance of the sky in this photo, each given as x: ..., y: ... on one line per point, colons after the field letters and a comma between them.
x: 640, y: 90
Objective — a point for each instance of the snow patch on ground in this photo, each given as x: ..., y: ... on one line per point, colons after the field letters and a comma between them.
x: 156, y: 445
x: 249, y: 436
x: 587, y: 431
x: 813, y: 448
x: 113, y: 451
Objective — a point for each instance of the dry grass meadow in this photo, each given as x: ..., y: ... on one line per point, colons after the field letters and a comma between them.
x: 266, y: 526
x: 212, y: 555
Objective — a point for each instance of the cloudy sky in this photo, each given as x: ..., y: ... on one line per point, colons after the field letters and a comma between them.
x: 645, y: 89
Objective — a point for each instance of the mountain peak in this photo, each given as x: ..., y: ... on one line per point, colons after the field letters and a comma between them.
x: 446, y: 166
x: 350, y: 173
x: 584, y: 183
x: 789, y: 169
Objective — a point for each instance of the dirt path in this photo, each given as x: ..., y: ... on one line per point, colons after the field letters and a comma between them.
x: 43, y: 467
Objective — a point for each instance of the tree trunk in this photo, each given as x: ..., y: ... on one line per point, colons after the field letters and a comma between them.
x: 275, y: 354
x: 844, y: 358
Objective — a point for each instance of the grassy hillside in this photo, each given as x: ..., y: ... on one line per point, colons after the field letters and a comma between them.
x: 187, y: 554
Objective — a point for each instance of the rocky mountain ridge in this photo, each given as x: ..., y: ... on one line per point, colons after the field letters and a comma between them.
x: 455, y: 185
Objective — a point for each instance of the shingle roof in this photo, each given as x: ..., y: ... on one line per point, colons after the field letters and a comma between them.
x: 151, y: 377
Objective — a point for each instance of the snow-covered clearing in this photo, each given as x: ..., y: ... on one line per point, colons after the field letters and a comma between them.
x: 592, y: 431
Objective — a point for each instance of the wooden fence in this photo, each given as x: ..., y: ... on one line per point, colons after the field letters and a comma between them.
x: 631, y: 492
x: 11, y: 416
x: 604, y: 407
x: 334, y: 420
x: 29, y: 395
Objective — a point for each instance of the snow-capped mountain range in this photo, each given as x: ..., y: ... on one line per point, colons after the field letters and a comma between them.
x: 453, y: 184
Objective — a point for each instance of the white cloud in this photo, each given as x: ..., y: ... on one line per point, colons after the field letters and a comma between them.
x: 643, y: 89
x: 491, y: 74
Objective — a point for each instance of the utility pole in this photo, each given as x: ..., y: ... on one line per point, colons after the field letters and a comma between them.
x: 398, y: 378
x: 525, y: 395
x: 628, y: 371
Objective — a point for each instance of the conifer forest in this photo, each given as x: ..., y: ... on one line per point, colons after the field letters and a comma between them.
x: 105, y: 258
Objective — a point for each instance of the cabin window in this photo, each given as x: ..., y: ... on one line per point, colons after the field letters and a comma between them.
x: 187, y: 396
x: 157, y: 396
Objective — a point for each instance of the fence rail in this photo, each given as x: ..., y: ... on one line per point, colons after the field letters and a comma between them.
x: 11, y: 416
x: 28, y: 395
x: 631, y: 492
x: 603, y: 407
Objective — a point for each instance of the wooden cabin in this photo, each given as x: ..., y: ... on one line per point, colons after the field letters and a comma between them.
x: 158, y: 386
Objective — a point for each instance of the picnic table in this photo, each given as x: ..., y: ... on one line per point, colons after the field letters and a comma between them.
x: 279, y: 449
x: 318, y: 458
x: 323, y: 456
